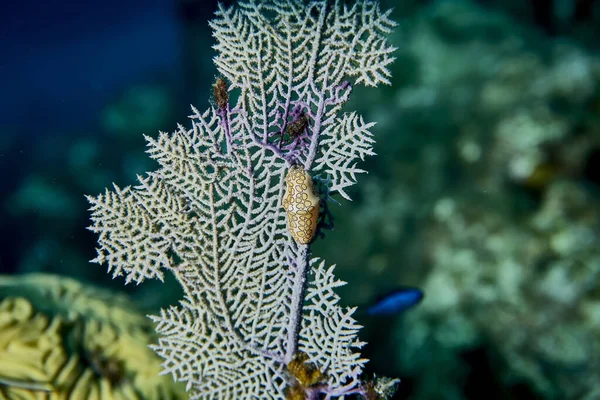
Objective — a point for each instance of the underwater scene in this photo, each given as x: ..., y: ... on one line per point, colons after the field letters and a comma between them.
x: 279, y: 199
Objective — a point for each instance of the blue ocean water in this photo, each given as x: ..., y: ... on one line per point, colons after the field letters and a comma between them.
x: 62, y: 65
x: 62, y: 60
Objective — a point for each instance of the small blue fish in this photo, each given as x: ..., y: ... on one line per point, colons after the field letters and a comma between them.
x: 395, y: 302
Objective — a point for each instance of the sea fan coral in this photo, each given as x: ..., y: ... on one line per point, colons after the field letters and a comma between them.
x: 212, y: 213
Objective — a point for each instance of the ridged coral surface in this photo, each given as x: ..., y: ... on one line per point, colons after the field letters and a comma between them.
x: 62, y: 340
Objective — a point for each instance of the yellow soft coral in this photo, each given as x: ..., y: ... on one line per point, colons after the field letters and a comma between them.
x: 62, y: 340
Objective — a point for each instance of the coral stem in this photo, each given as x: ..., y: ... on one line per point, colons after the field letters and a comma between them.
x: 296, y: 307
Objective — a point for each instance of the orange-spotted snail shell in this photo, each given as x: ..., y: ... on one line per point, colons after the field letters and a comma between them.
x: 302, y: 205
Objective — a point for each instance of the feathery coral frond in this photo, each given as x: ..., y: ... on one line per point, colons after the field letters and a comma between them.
x: 212, y: 213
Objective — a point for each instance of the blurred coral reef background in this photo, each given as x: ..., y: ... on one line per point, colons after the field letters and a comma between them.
x: 485, y: 191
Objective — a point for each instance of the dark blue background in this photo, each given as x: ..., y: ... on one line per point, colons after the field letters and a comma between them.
x: 60, y: 61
